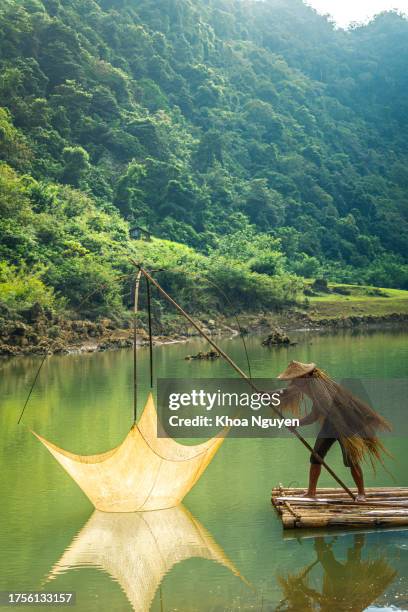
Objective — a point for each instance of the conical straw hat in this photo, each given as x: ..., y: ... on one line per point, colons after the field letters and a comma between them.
x: 296, y: 369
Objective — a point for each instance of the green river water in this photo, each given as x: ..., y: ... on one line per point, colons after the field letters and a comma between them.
x: 225, y: 548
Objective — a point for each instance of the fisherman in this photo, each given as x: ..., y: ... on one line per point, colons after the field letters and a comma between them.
x: 343, y: 417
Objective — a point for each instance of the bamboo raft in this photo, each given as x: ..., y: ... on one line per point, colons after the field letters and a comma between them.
x: 385, y: 507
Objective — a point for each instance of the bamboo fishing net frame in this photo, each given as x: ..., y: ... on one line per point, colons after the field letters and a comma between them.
x: 241, y: 373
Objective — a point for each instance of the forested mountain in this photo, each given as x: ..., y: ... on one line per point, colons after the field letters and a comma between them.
x: 209, y: 122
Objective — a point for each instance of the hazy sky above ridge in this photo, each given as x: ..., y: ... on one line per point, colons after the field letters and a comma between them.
x: 345, y: 12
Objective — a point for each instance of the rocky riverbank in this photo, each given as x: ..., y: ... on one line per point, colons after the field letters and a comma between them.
x: 40, y: 332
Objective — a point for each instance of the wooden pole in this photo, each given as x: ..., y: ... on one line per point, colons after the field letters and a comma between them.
x: 135, y: 309
x: 149, y: 315
x: 228, y: 359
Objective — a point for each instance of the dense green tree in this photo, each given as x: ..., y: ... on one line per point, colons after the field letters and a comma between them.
x: 201, y: 120
x: 76, y: 165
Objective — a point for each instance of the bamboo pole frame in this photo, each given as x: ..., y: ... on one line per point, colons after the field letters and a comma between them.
x: 135, y: 311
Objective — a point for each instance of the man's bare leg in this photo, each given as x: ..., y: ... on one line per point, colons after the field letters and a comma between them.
x: 314, y: 473
x: 357, y: 474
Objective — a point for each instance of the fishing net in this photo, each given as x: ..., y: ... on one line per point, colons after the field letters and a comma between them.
x: 145, y: 472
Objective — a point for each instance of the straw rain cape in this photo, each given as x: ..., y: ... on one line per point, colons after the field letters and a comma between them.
x: 355, y: 421
x: 143, y: 473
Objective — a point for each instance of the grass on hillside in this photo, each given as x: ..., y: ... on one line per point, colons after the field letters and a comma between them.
x: 361, y: 300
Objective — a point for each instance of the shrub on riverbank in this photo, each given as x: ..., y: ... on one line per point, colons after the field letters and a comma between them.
x: 64, y: 250
x: 217, y: 282
x: 20, y: 289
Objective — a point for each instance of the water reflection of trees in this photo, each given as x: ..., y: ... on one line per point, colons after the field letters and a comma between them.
x: 70, y: 391
x: 348, y: 584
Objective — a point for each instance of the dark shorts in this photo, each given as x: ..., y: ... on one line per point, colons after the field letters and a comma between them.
x: 327, y: 436
x: 322, y: 447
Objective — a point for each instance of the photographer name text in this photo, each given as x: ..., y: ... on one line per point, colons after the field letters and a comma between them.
x: 226, y: 421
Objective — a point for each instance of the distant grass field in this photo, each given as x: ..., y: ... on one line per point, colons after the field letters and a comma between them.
x: 361, y: 300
